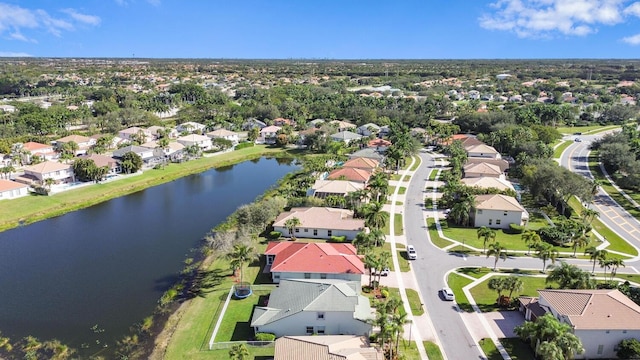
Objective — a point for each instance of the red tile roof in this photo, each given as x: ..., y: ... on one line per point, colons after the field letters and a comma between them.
x: 351, y: 174
x: 6, y: 185
x: 34, y: 146
x: 361, y: 163
x: 325, y: 258
x: 378, y: 142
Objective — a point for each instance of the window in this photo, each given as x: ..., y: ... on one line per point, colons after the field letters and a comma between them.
x: 276, y: 276
x: 320, y: 316
x: 479, y: 211
x: 297, y: 230
x: 624, y: 331
x: 497, y: 221
x: 490, y: 221
x: 306, y: 230
x: 323, y: 276
x: 309, y: 330
x: 607, y: 331
x: 315, y: 232
x: 307, y: 275
x: 505, y: 213
x: 329, y: 232
x: 600, y: 349
x: 320, y: 330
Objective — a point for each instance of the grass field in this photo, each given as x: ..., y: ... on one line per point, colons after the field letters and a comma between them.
x: 612, y: 191
x: 517, y: 349
x: 416, y: 165
x: 557, y: 152
x: 433, y: 174
x: 456, y: 283
x: 486, y: 298
x: 585, y: 129
x: 435, y: 237
x: 34, y: 208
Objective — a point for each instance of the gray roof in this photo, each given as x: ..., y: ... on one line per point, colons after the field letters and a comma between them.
x: 297, y: 295
x: 133, y: 148
x: 346, y: 135
x: 369, y: 153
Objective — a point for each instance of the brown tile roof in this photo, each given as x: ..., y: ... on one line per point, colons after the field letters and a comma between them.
x: 594, y: 309
x: 351, y: 174
x: 361, y: 163
x: 322, y: 218
x: 6, y: 185
x: 34, y: 146
x: 481, y: 148
x: 101, y: 160
x: 486, y: 182
x: 75, y: 138
x: 325, y: 347
x: 501, y: 163
x: 498, y: 202
x: 482, y: 168
x: 328, y: 258
x: 47, y: 167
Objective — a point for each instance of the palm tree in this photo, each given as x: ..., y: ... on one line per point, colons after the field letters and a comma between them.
x: 383, y: 261
x: 362, y: 242
x: 615, y: 263
x: 370, y: 263
x: 374, y: 217
x: 569, y: 276
x: 239, y: 352
x: 531, y: 238
x: 461, y: 211
x: 569, y: 344
x: 291, y: 225
x: 498, y: 251
x: 239, y: 255
x: 488, y: 234
x: 497, y: 284
x: 579, y: 240
x: 397, y: 327
x: 549, y: 350
x: 378, y: 237
x: 596, y: 255
x: 546, y: 252
x: 588, y: 215
x: 48, y: 182
x: 513, y: 284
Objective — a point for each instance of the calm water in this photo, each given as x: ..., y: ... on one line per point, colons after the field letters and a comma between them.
x: 108, y: 265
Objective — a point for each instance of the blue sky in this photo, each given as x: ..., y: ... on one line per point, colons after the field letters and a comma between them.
x: 319, y: 29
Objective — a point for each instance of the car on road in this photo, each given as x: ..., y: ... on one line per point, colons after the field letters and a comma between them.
x: 447, y: 294
x: 411, y: 252
x: 578, y: 140
x: 577, y: 133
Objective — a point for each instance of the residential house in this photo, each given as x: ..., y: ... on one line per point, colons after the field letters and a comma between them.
x: 486, y: 182
x: 480, y: 170
x: 368, y: 129
x: 385, y: 130
x: 342, y: 125
x: 252, y: 123
x: 470, y: 141
x: 297, y: 260
x: 203, y: 142
x: 136, y: 133
x: 43, y: 151
x: 173, y: 151
x: 102, y: 161
x: 190, y: 127
x: 315, y: 123
x: 321, y: 307
x: 350, y: 174
x: 59, y: 172
x: 224, y: 134
x: 600, y: 318
x: 148, y: 155
x: 379, y: 144
x: 328, y: 347
x: 362, y: 163
x: 12, y: 189
x: 500, y: 163
x: 483, y: 151
x: 370, y: 153
x: 84, y: 143
x: 156, y: 132
x: 345, y: 136
x: 283, y: 122
x: 268, y: 134
x: 498, y: 211
x: 473, y: 95
x: 320, y: 223
x: 324, y: 188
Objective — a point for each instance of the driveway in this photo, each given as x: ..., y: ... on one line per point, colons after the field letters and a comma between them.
x: 503, y: 322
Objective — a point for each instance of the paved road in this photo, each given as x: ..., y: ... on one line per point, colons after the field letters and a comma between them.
x: 433, y: 264
x: 575, y: 158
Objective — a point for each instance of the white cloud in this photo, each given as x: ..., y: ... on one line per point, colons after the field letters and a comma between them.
x: 83, y: 18
x: 14, y: 19
x: 127, y: 2
x: 633, y: 9
x: 632, y: 40
x: 14, y: 54
x: 547, y: 18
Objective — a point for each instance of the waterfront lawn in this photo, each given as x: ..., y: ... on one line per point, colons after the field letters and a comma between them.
x: 236, y: 320
x: 33, y: 208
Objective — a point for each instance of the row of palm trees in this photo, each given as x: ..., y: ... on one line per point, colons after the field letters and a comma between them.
x: 390, y: 320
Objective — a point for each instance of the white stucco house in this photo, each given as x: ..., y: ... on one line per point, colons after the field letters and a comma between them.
x: 84, y: 143
x: 203, y: 142
x: 321, y: 307
x: 298, y: 260
x: 224, y: 134
x: 600, y: 318
x: 12, y: 189
x: 498, y: 211
x: 44, y: 151
x: 59, y: 172
x: 190, y: 127
x: 320, y: 223
x: 483, y: 151
x: 268, y: 133
x: 132, y: 133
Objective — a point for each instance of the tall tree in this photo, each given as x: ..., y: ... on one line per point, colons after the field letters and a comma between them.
x: 569, y: 276
x: 531, y: 238
x: 498, y: 252
x: 596, y: 255
x: 546, y: 252
x: 488, y: 235
x: 239, y: 255
x: 291, y: 225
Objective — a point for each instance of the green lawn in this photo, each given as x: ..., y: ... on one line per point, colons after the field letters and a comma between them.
x: 490, y: 349
x: 34, y: 208
x: 517, y: 349
x: 474, y: 271
x: 433, y: 351
x: 612, y: 191
x: 486, y: 298
x: 616, y: 242
x: 557, y: 153
x: 585, y: 129
x: 414, y: 300
x: 417, y: 163
x: 402, y: 190
x: 456, y: 283
x: 435, y: 237
x: 397, y: 226
x: 433, y: 174
x: 255, y: 352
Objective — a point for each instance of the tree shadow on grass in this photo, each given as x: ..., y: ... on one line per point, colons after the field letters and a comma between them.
x: 204, y: 282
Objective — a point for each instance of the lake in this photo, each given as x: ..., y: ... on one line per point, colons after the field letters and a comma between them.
x: 85, y: 277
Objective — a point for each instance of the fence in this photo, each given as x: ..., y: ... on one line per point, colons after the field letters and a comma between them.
x: 230, y: 344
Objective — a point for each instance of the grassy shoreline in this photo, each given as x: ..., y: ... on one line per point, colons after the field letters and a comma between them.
x: 34, y: 208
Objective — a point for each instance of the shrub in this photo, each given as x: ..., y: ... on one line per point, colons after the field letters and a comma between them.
x: 275, y: 234
x: 384, y: 293
x: 244, y: 145
x: 338, y: 239
x: 265, y: 337
x: 515, y: 228
x: 428, y: 203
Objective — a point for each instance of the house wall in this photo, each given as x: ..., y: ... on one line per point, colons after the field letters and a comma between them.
x: 14, y: 193
x: 277, y: 276
x: 334, y: 323
x: 484, y: 155
x: 490, y: 218
x: 609, y: 340
x: 304, y: 232
x: 470, y: 174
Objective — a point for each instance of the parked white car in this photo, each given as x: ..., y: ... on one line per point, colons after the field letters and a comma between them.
x: 411, y: 252
x: 447, y: 294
